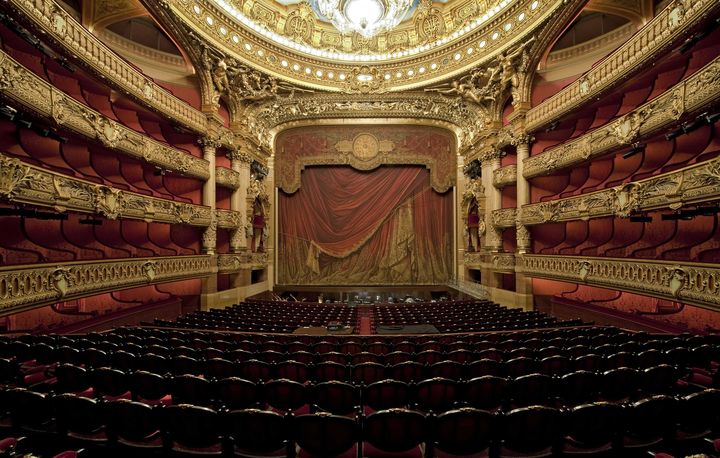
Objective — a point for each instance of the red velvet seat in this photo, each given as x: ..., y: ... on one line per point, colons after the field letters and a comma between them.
x: 394, y: 433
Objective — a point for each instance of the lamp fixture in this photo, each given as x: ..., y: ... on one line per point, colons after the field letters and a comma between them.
x: 366, y: 17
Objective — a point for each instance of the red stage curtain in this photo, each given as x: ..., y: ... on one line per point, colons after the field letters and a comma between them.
x: 381, y: 227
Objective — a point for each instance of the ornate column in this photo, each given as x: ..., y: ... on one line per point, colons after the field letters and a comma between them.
x: 522, y: 144
x: 209, y: 239
x: 490, y: 161
x: 460, y: 219
x: 523, y: 284
x: 240, y: 162
x: 270, y: 243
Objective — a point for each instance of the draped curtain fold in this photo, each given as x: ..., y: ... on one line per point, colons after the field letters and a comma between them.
x: 381, y: 227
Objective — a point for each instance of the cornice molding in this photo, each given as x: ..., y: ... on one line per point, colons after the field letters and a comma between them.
x: 28, y: 286
x: 86, y: 50
x: 692, y: 185
x: 505, y: 176
x: 22, y: 86
x: 688, y: 97
x: 665, y: 31
x: 689, y: 283
x: 28, y: 184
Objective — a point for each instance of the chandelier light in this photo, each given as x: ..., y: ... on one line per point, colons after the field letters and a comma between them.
x: 366, y: 17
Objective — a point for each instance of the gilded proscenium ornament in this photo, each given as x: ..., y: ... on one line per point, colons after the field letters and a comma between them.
x: 685, y: 99
x: 695, y: 184
x: 28, y: 91
x: 689, y: 283
x: 488, y: 85
x: 28, y: 286
x: 664, y: 32
x: 462, y: 118
x: 85, y: 49
x: 237, y: 81
x: 356, y: 147
x: 27, y: 184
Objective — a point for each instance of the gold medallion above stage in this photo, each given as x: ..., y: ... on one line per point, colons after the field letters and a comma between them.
x: 365, y: 148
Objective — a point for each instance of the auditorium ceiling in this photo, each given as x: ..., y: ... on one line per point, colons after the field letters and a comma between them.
x: 275, y: 64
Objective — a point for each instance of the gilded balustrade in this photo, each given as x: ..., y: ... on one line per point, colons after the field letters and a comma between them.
x: 690, y: 96
x: 695, y: 184
x: 85, y: 49
x: 505, y: 176
x: 690, y: 283
x: 28, y: 184
x: 27, y: 286
x: 230, y: 263
x: 23, y: 87
x: 227, y: 178
x: 659, y: 36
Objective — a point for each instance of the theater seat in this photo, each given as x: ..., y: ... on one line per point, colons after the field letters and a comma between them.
x: 399, y: 432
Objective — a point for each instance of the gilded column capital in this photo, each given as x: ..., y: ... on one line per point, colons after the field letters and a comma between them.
x: 488, y: 157
x: 210, y: 142
x: 522, y: 139
x: 240, y: 155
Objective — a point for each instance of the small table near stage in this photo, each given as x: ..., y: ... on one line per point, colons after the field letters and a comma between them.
x: 322, y: 331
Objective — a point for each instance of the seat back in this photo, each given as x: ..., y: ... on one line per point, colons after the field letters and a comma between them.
x: 395, y: 430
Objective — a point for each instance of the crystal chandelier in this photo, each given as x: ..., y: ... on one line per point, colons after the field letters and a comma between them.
x: 366, y: 17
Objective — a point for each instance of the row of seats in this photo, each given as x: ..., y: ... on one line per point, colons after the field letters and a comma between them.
x: 436, y: 394
x: 123, y: 427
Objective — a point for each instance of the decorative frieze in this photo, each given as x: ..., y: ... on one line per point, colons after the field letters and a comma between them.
x: 691, y: 185
x: 505, y: 176
x: 227, y: 178
x: 24, y: 183
x: 51, y: 20
x: 229, y: 263
x: 504, y: 217
x: 227, y: 219
x: 661, y: 34
x: 23, y: 87
x: 28, y: 286
x: 687, y: 97
x: 690, y: 283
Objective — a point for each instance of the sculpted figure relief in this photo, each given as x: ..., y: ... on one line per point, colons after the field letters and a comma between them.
x: 231, y: 77
x: 487, y: 85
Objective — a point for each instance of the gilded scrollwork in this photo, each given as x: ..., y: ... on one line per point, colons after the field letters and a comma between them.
x: 504, y: 217
x: 691, y: 283
x: 228, y: 219
x: 227, y: 178
x: 13, y: 175
x: 687, y: 97
x: 22, y: 287
x: 505, y: 176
